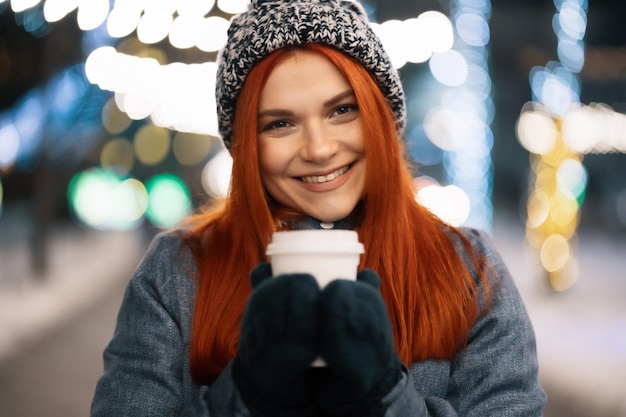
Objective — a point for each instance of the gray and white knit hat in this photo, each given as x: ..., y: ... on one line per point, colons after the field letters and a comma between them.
x: 269, y: 25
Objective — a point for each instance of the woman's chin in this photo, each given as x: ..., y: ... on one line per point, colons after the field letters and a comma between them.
x: 331, y: 217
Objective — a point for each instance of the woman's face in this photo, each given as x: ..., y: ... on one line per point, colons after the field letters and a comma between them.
x: 310, y: 136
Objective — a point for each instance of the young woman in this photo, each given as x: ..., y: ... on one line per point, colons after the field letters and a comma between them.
x: 312, y: 113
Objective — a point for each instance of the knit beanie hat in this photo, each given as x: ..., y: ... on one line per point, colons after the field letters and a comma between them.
x: 269, y: 25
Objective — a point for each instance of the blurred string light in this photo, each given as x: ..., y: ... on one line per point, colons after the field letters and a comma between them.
x: 415, y: 40
x: 460, y: 124
x: 176, y: 95
x: 556, y: 129
x: 104, y: 200
x: 90, y: 13
x: 185, y: 94
x: 182, y: 21
x: 594, y: 128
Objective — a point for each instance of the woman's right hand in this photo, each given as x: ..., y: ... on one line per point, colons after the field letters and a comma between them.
x: 278, y: 343
x: 356, y: 340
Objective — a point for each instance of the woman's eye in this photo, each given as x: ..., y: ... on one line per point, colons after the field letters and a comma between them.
x: 345, y: 109
x: 276, y: 124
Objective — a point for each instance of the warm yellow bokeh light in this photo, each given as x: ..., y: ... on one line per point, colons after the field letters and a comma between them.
x: 538, y: 208
x: 152, y: 144
x: 564, y: 278
x: 564, y: 210
x: 191, y: 149
x: 118, y: 156
x: 553, y: 206
x: 555, y: 252
x: 114, y: 120
x: 133, y: 199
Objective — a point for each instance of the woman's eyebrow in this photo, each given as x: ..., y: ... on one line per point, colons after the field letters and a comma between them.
x: 339, y: 98
x: 328, y: 103
x: 274, y: 113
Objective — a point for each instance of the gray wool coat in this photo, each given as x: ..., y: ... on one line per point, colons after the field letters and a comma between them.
x: 146, y: 367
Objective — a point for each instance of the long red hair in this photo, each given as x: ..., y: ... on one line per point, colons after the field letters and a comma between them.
x: 431, y: 296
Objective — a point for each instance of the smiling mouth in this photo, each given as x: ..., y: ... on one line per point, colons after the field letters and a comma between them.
x: 317, y: 179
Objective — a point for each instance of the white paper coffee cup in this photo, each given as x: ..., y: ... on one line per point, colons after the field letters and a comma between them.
x: 325, y: 254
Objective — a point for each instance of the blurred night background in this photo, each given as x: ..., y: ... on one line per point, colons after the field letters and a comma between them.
x: 517, y: 122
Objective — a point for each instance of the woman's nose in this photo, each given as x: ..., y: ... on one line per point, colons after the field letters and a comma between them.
x: 319, y: 143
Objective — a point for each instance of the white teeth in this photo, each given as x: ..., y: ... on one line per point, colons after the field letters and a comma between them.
x: 325, y: 178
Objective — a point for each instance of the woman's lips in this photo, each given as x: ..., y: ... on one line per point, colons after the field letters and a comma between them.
x: 318, y: 179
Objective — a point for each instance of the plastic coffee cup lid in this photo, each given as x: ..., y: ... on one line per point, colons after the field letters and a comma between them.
x: 315, y: 241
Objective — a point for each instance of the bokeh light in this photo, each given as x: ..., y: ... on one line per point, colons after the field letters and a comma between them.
x: 553, y: 209
x: 422, y: 149
x: 194, y: 7
x: 595, y: 128
x: 571, y: 20
x: 449, y: 68
x: 183, y: 29
x: 9, y: 144
x: 114, y: 121
x: 177, y: 96
x: 191, y: 149
x: 460, y: 124
x: 536, y: 131
x: 92, y: 13
x: 436, y: 30
x: 88, y: 192
x: 556, y: 88
x: 450, y: 203
x: 21, y: 5
x: 473, y: 29
x: 212, y: 34
x: 233, y: 6
x: 151, y: 144
x: 117, y: 155
x: 154, y: 26
x: 415, y: 39
x: 557, y: 129
x: 124, y: 18
x: 28, y: 121
x: 571, y: 54
x: 55, y: 10
x: 133, y: 198
x: 216, y: 174
x: 571, y: 178
x: 390, y: 34
x: 101, y: 199
x: 168, y: 200
x: 555, y: 252
x: 180, y: 96
x: 538, y: 209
